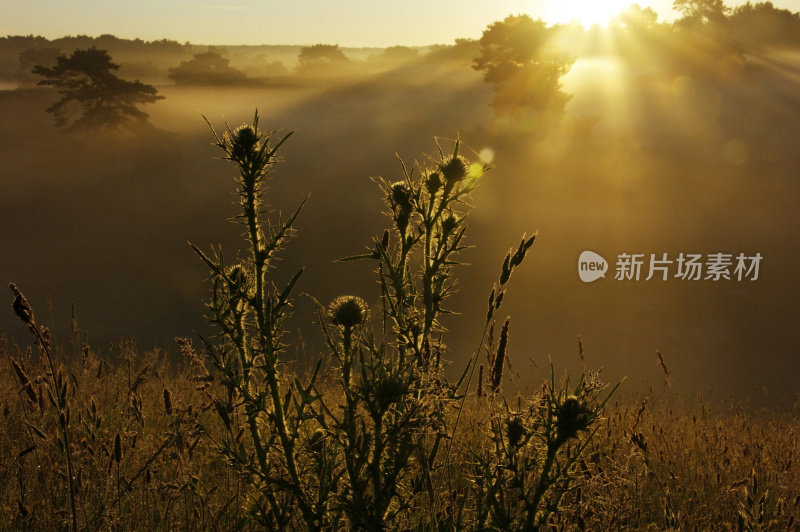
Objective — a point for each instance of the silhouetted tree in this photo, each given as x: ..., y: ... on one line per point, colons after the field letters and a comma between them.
x: 637, y: 19
x: 208, y: 68
x: 31, y: 57
x: 516, y: 57
x: 320, y: 57
x: 461, y: 51
x: 86, y: 84
x: 763, y: 23
x: 700, y: 11
x: 400, y: 53
x: 262, y: 65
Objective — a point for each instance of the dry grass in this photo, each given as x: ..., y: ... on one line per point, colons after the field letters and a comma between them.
x: 698, y: 468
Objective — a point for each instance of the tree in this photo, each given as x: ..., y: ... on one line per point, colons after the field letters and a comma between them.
x: 700, y: 11
x: 762, y: 23
x: 208, y: 68
x: 637, y: 19
x: 320, y: 57
x: 86, y: 84
x: 516, y: 56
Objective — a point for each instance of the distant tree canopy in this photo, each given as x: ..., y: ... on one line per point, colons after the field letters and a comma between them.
x: 208, y: 68
x: 516, y: 58
x: 762, y: 23
x: 320, y: 57
x: 86, y: 84
x: 700, y: 11
x: 637, y: 19
x: 400, y: 53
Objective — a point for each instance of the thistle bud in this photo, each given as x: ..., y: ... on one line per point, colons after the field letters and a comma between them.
x: 433, y: 183
x: 401, y: 197
x: 239, y: 285
x: 449, y: 223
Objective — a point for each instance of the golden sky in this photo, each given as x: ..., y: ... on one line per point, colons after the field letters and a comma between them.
x: 343, y: 22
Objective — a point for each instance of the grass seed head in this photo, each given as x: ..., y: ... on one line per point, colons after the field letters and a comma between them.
x: 22, y: 308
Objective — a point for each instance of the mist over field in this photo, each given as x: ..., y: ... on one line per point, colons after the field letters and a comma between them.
x: 645, y: 159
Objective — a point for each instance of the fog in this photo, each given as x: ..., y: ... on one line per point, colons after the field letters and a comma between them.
x: 643, y: 161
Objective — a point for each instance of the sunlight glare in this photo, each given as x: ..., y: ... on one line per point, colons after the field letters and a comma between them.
x: 587, y: 12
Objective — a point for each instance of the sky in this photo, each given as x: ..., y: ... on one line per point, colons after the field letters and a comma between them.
x: 344, y: 22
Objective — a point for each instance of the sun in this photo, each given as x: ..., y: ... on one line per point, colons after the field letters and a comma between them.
x: 587, y: 12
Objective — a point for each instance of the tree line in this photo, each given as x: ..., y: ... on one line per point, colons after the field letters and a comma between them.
x: 516, y: 56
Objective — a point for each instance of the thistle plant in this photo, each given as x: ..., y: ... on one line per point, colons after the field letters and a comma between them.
x: 418, y: 252
x: 370, y: 455
x: 249, y: 312
x: 520, y: 479
x: 395, y: 403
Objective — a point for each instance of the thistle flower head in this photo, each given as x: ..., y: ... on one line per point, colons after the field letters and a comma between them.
x: 242, y: 142
x: 348, y: 311
x: 515, y: 431
x: 454, y: 170
x: 389, y: 391
x: 572, y: 417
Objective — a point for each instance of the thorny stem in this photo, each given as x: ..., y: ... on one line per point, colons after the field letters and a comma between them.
x: 260, y: 258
